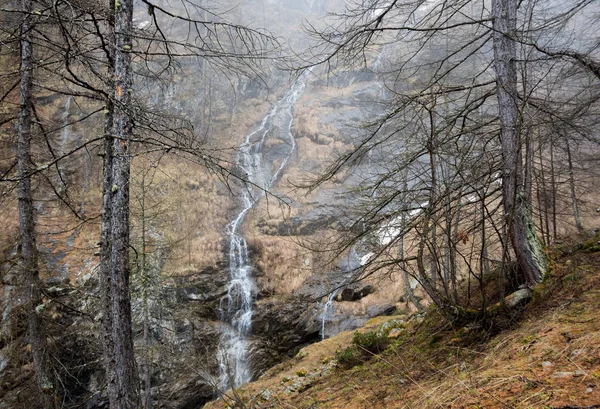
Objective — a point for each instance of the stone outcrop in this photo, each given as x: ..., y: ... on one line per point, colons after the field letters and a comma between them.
x: 280, y: 328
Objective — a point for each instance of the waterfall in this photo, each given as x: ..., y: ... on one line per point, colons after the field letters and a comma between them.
x: 236, y: 307
x: 66, y: 130
x: 326, y: 315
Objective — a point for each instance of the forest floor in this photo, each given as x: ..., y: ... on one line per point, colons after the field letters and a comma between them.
x: 547, y: 358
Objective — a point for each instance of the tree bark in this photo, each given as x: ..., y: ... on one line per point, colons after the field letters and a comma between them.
x: 527, y: 247
x: 106, y: 225
x: 125, y: 373
x: 46, y: 381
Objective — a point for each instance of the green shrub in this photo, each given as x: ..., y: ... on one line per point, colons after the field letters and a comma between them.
x: 364, y: 345
x: 370, y: 342
x: 348, y: 357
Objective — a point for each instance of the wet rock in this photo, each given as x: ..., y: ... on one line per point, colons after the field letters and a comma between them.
x: 353, y: 294
x: 377, y: 310
x: 347, y: 294
x: 280, y: 328
x: 207, y: 287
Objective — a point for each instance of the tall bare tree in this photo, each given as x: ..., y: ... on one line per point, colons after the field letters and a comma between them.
x: 46, y: 381
x: 517, y: 208
x: 126, y: 386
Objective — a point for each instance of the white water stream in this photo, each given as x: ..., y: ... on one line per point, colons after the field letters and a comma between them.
x: 65, y: 134
x: 327, y: 313
x: 237, y: 306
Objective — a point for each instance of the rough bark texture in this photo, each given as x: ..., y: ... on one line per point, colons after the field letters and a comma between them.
x: 126, y: 379
x: 29, y: 257
x: 528, y: 249
x: 106, y: 228
x: 105, y: 271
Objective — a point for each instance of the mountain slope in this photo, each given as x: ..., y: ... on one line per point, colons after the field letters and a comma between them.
x: 547, y: 358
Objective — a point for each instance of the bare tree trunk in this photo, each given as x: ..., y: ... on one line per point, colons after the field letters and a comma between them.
x: 553, y: 190
x: 484, y: 261
x: 451, y: 222
x: 544, y: 220
x: 145, y: 359
x: 572, y: 186
x: 126, y: 379
x: 453, y: 253
x: 407, y: 287
x: 528, y: 168
x: 146, y: 375
x: 431, y: 212
x: 106, y: 225
x: 424, y: 278
x: 105, y: 263
x: 46, y: 381
x: 447, y: 247
x: 528, y: 249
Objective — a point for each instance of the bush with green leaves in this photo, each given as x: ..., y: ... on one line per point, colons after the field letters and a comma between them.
x: 364, y: 346
x: 370, y: 342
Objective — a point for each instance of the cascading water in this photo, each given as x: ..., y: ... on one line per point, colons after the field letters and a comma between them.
x: 352, y: 265
x: 327, y: 312
x: 66, y: 130
x: 260, y: 176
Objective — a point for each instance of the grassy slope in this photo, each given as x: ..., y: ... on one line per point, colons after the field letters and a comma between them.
x: 550, y: 358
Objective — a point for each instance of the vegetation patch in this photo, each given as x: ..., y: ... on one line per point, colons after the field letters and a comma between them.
x: 364, y: 346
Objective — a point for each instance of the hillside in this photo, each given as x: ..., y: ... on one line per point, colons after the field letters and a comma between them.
x: 290, y: 216
x: 547, y: 358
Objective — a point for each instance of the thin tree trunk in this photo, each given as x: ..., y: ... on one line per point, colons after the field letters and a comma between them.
x: 46, y: 381
x: 484, y: 259
x: 528, y: 168
x: 448, y: 248
x: 572, y: 186
x: 146, y: 361
x: 453, y: 253
x: 126, y: 379
x: 553, y: 190
x: 527, y: 247
x: 407, y: 287
x: 545, y: 221
x: 431, y: 212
